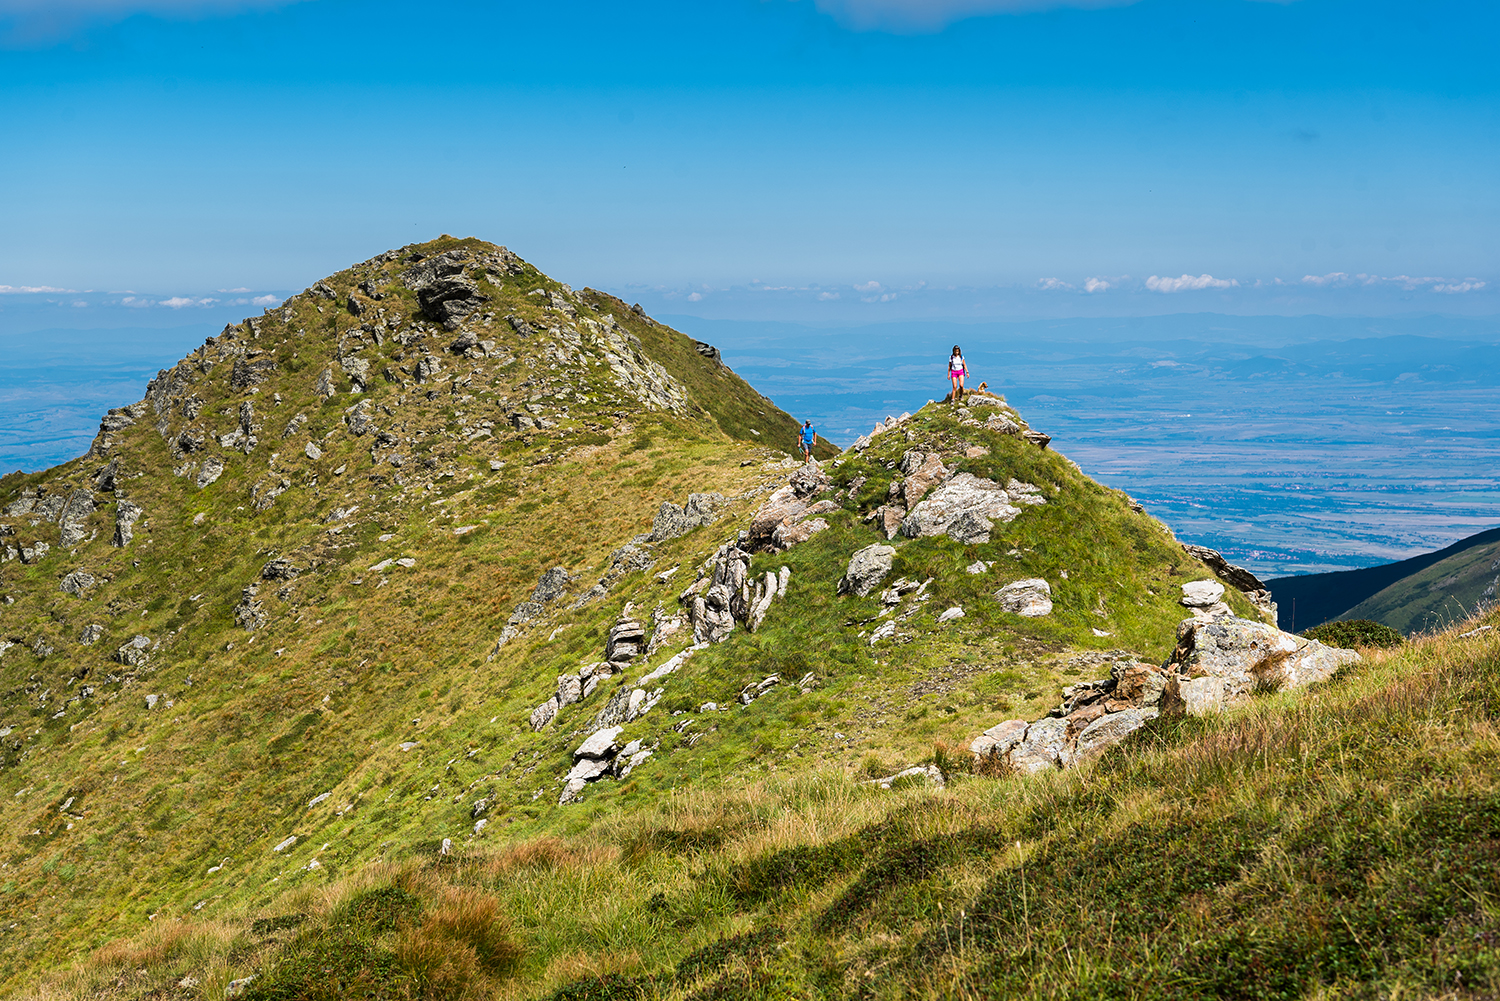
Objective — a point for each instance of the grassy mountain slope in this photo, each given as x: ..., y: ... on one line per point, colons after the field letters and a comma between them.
x: 318, y: 699
x: 1323, y: 597
x: 1448, y: 591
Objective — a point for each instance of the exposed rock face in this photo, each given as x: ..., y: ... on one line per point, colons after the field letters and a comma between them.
x: 1222, y: 660
x: 922, y: 472
x: 1236, y: 577
x: 1219, y: 662
x: 72, y: 520
x: 969, y: 505
x: 442, y: 290
x: 1030, y: 598
x: 867, y: 568
x: 673, y: 521
x: 727, y: 593
x: 552, y: 585
x: 250, y: 614
x: 785, y: 509
x: 626, y: 639
x: 126, y: 515
x: 211, y: 469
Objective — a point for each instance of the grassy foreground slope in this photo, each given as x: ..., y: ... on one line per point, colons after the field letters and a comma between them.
x: 339, y: 507
x: 1338, y: 842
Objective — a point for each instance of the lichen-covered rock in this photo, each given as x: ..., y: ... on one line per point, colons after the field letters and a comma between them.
x: 1111, y: 728
x: 1041, y: 747
x: 543, y: 714
x: 1030, y: 598
x: 135, y: 653
x: 1000, y: 738
x: 785, y: 508
x: 867, y: 568
x: 673, y: 521
x: 983, y: 501
x: 1221, y: 660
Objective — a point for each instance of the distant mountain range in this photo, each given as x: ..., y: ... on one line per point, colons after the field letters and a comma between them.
x: 1415, y: 595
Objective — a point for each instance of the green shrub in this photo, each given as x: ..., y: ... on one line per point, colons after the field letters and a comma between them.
x: 1355, y: 632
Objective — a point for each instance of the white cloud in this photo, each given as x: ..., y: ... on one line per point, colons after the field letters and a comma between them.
x: 19, y: 289
x: 264, y: 300
x: 1187, y: 283
x: 1333, y: 278
x: 1097, y: 285
x: 1340, y: 279
x: 935, y: 15
x: 696, y: 297
x: 871, y: 286
x: 222, y: 289
x: 827, y: 296
x: 1054, y: 285
x: 178, y: 302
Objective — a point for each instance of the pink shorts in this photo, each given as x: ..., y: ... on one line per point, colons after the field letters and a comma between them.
x: 955, y: 373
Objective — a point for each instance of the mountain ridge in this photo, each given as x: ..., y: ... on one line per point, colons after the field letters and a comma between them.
x: 364, y: 580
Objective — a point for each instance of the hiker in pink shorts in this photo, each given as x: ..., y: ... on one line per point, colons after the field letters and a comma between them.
x: 957, y: 373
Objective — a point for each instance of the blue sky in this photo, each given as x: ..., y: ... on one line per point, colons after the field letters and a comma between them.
x: 798, y: 158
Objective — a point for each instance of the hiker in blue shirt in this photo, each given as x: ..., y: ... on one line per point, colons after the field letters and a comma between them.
x: 807, y: 439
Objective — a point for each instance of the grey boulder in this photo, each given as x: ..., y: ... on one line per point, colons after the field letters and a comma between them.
x: 867, y: 569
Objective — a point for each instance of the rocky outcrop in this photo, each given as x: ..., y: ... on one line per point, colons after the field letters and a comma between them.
x: 1237, y: 577
x: 725, y: 593
x: 1219, y: 662
x: 72, y: 520
x: 443, y: 292
x: 788, y: 516
x: 966, y: 507
x: 867, y: 568
x: 126, y: 515
x: 673, y: 521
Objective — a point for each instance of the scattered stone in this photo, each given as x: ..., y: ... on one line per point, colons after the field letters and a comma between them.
x: 1030, y: 598
x: 279, y: 568
x: 211, y: 469
x: 134, y: 653
x: 77, y: 582
x: 951, y: 614
x: 285, y: 844
x: 867, y: 568
x: 929, y: 774
x: 599, y: 745
x: 237, y: 987
x: 979, y: 566
x: 569, y: 689
x: 312, y: 451
x: 91, y: 634
x: 1202, y: 593
x: 127, y: 514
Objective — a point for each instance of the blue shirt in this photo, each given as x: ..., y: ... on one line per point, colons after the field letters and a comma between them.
x: 808, y: 435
